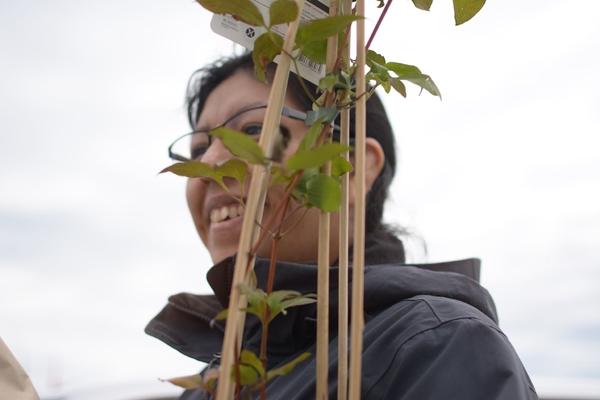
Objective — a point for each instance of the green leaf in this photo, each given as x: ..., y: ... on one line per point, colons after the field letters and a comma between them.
x: 264, y: 52
x: 311, y: 137
x: 233, y: 168
x: 282, y: 11
x: 240, y: 144
x: 287, y: 368
x: 324, y: 193
x: 278, y: 176
x: 249, y: 358
x: 464, y: 10
x: 386, y: 85
x: 315, y: 157
x: 255, y: 296
x: 196, y: 169
x: 257, y: 299
x: 320, y: 29
x: 294, y: 302
x: 324, y: 113
x: 334, y: 80
x: 192, y: 169
x: 248, y: 375
x: 300, y: 192
x: 316, y: 51
x: 377, y: 64
x: 252, y: 279
x: 423, y: 4
x: 423, y: 81
x: 402, y: 69
x: 244, y: 10
x: 187, y: 382
x: 222, y: 315
x: 398, y: 85
x: 376, y: 57
x: 276, y: 297
x: 340, y: 166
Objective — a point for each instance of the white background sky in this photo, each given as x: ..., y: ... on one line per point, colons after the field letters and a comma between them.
x: 92, y: 242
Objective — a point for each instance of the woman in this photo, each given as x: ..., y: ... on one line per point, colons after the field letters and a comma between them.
x: 430, y: 330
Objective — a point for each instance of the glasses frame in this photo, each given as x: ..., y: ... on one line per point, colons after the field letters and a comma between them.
x: 285, y: 111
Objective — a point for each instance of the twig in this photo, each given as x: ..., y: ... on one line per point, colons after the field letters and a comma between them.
x: 381, y: 17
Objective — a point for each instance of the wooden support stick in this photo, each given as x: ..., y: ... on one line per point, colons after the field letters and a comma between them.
x: 324, y: 257
x: 343, y: 271
x: 359, y: 212
x: 235, y: 320
x: 343, y: 260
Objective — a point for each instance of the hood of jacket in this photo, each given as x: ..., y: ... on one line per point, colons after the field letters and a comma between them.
x: 187, y: 322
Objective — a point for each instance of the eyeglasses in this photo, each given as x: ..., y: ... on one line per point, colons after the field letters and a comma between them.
x: 193, y: 145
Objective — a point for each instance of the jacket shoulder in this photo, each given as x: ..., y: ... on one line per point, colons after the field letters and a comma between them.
x: 435, y: 347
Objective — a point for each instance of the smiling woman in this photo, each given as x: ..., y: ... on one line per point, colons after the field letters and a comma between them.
x: 204, y: 197
x: 229, y: 92
x: 431, y: 330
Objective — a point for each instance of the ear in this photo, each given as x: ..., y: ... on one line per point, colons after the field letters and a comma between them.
x: 374, y: 160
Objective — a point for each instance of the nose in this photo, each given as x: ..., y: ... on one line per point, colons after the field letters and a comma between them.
x: 216, y: 153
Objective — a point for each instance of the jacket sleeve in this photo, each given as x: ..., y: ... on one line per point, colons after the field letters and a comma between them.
x: 465, y: 358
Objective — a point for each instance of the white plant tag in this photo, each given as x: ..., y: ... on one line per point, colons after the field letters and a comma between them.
x: 245, y: 35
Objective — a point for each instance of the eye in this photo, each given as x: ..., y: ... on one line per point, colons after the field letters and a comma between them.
x: 198, y: 145
x: 252, y: 130
x: 196, y: 152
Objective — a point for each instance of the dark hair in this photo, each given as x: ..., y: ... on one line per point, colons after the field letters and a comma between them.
x: 206, y: 79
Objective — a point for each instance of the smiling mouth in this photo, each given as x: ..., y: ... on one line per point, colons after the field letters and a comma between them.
x: 226, y: 212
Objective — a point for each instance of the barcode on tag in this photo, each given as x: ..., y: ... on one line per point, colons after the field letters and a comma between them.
x: 310, y: 64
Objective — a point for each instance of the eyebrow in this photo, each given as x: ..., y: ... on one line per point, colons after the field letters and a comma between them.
x: 239, y: 110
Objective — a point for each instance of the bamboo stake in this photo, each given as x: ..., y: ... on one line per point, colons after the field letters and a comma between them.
x: 235, y: 320
x: 324, y: 261
x: 359, y: 211
x: 323, y: 301
x: 343, y: 250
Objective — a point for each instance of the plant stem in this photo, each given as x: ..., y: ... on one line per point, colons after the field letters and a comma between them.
x: 343, y: 45
x: 275, y: 249
x: 381, y: 17
x: 279, y: 207
x: 266, y: 316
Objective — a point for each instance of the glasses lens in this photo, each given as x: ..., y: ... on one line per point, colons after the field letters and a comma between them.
x: 193, y: 146
x: 190, y: 147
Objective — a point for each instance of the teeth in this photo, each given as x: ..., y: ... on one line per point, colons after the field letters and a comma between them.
x: 223, y: 213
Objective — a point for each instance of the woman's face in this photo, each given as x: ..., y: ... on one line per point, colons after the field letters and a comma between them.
x: 221, y: 232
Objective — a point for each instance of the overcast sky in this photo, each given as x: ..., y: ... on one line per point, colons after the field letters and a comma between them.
x: 505, y: 168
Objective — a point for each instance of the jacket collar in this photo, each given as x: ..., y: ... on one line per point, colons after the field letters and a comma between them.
x: 187, y: 322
